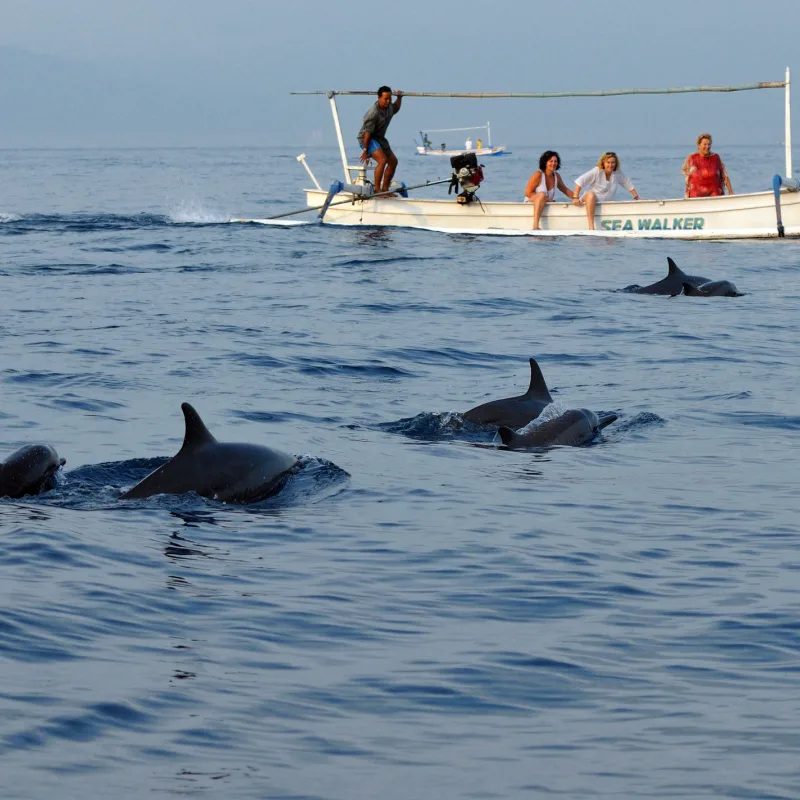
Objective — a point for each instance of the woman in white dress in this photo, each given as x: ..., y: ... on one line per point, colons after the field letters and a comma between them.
x: 601, y: 183
x: 542, y: 184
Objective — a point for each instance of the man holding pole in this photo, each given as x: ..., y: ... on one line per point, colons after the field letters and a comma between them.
x: 372, y: 137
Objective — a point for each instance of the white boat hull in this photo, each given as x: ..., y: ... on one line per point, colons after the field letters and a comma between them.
x: 479, y: 151
x: 746, y: 216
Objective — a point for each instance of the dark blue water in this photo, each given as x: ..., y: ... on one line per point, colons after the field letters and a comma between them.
x: 418, y: 614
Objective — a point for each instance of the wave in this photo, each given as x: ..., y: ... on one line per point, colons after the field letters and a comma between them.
x: 82, y: 222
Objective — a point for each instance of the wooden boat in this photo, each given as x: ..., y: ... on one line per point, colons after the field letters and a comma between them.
x: 738, y: 216
x: 765, y: 214
x: 427, y: 148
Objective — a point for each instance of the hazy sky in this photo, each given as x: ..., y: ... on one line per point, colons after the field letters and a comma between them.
x: 177, y: 72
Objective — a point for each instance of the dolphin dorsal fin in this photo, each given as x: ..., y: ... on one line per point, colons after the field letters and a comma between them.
x: 690, y: 289
x: 506, y: 434
x: 538, y: 387
x: 196, y: 432
x: 674, y: 269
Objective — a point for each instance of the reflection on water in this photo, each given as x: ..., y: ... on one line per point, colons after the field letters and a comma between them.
x: 180, y: 548
x: 12, y: 512
x: 194, y: 518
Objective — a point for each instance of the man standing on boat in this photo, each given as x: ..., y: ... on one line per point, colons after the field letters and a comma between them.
x: 372, y: 137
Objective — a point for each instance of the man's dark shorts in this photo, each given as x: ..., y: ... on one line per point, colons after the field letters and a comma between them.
x: 376, y: 144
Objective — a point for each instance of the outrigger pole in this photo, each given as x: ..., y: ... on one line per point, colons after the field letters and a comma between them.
x: 325, y: 206
x: 743, y: 87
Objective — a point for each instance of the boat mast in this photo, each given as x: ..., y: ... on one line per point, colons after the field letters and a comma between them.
x: 335, y: 112
x: 489, y: 133
x: 788, y: 135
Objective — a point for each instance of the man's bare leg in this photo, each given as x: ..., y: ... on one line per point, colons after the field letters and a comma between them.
x: 391, y: 166
x: 380, y: 165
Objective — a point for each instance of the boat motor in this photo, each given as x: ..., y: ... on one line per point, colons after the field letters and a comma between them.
x: 467, y: 175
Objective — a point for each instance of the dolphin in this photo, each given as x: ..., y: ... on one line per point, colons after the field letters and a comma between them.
x: 29, y: 470
x: 514, y: 412
x: 712, y: 289
x: 229, y: 472
x: 574, y: 427
x: 671, y: 285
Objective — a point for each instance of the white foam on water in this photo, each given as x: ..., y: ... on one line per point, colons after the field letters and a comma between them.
x: 552, y: 411
x: 189, y: 211
x: 277, y: 222
x: 10, y: 217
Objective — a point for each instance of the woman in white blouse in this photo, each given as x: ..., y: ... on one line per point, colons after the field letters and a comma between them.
x: 600, y: 184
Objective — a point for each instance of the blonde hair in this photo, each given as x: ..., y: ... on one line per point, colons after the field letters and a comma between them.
x: 703, y: 136
x: 602, y: 162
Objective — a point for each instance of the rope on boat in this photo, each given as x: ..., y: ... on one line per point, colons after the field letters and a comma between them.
x: 327, y: 205
x: 744, y: 87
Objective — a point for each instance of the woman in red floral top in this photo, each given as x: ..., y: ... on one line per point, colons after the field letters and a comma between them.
x: 705, y: 173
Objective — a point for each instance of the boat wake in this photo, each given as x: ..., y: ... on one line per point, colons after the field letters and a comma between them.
x: 195, y: 214
x: 280, y: 223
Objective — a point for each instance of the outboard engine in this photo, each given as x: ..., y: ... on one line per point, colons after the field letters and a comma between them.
x: 467, y: 174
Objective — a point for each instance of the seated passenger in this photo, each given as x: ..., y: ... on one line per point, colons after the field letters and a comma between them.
x: 601, y: 184
x: 542, y: 184
x: 705, y: 173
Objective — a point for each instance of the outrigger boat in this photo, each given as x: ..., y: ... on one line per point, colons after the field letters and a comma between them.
x: 427, y: 148
x: 756, y: 215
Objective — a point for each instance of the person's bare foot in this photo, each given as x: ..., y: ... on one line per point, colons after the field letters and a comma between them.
x: 388, y: 194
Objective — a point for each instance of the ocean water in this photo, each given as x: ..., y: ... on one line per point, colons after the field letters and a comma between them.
x: 419, y: 613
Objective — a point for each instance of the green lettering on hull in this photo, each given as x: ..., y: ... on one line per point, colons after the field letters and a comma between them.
x: 657, y: 224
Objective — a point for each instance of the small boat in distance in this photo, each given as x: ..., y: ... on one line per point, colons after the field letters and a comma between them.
x: 427, y: 147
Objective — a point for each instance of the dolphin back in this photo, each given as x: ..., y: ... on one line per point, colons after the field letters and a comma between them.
x: 712, y: 289
x: 514, y: 412
x: 671, y: 285
x: 574, y: 427
x: 226, y: 471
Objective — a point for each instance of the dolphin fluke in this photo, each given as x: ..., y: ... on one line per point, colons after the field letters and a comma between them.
x: 196, y: 432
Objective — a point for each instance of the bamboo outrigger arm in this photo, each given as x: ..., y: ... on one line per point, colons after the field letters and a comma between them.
x: 744, y: 87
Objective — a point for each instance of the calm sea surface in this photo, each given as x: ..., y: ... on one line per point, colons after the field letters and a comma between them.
x: 418, y: 614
